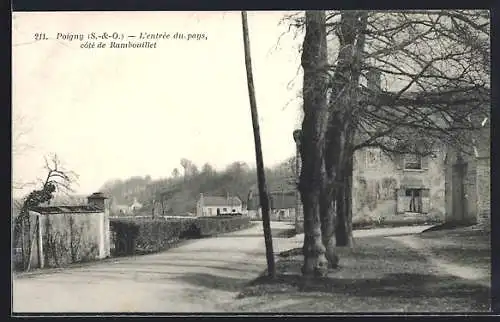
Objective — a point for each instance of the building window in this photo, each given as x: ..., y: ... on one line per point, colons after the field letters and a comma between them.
x: 372, y: 158
x: 415, y: 200
x: 412, y: 162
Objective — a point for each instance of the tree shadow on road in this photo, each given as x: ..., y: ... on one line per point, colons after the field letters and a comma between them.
x: 391, y: 288
x: 377, y: 274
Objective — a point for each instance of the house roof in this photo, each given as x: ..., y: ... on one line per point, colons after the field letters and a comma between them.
x: 283, y: 201
x: 136, y: 203
x: 221, y: 201
x: 277, y: 200
x: 97, y: 195
x: 45, y: 210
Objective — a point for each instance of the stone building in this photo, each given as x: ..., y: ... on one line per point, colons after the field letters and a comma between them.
x: 216, y: 205
x: 412, y: 186
x: 468, y: 180
x: 282, y: 205
x: 60, y: 235
x: 397, y: 185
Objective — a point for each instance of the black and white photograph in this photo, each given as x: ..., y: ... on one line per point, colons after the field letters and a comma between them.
x: 280, y: 162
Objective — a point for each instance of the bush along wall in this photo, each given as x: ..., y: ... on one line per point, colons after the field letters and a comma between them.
x: 143, y: 236
x: 209, y: 226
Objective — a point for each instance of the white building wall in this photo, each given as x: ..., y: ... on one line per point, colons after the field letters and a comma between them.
x: 212, y: 210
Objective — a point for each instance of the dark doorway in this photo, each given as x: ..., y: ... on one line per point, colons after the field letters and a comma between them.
x: 458, y: 191
x: 415, y: 196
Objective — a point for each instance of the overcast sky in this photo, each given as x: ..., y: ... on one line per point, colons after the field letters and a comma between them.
x: 116, y: 113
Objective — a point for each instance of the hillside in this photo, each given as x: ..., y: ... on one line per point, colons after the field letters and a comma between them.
x: 178, y: 194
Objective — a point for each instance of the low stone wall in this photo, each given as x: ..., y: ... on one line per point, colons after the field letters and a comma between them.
x: 70, y: 238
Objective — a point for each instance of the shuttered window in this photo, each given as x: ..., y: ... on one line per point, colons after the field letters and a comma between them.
x: 412, y: 161
x: 426, y: 201
x: 400, y: 202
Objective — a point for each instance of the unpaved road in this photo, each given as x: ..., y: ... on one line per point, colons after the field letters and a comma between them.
x: 202, y: 275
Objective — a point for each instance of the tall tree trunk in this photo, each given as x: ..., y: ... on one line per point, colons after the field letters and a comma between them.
x: 314, y: 63
x: 342, y: 126
x: 327, y: 214
x: 343, y: 228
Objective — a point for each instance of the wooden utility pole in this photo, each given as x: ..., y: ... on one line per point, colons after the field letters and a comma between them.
x: 264, y: 200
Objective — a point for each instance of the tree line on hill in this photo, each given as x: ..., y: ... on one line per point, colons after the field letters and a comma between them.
x: 178, y: 193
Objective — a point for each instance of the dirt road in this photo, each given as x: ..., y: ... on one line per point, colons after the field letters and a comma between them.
x: 201, y: 276
x: 198, y: 276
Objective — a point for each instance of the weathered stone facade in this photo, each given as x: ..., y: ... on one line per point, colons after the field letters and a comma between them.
x: 484, y: 190
x: 60, y: 235
x: 468, y: 183
x: 385, y: 186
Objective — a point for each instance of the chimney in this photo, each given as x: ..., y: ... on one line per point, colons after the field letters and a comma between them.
x: 373, y: 80
x: 97, y: 199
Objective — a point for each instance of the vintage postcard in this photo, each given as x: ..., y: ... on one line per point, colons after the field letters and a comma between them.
x: 263, y: 161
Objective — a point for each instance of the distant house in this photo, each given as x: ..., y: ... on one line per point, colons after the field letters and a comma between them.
x: 213, y: 205
x: 135, y: 205
x: 120, y: 210
x: 467, y: 187
x: 282, y: 205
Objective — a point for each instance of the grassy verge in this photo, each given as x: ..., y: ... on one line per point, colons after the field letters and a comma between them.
x: 460, y: 245
x: 378, y: 275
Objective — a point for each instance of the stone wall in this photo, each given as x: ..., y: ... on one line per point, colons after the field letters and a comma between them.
x: 470, y: 189
x: 476, y: 182
x: 377, y: 178
x: 71, y: 237
x: 483, y: 173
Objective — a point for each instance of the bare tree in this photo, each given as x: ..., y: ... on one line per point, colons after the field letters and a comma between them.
x: 315, y: 65
x: 185, y: 163
x: 436, y: 64
x: 190, y: 169
x: 175, y: 173
x: 57, y: 179
x: 208, y: 169
x: 439, y: 59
